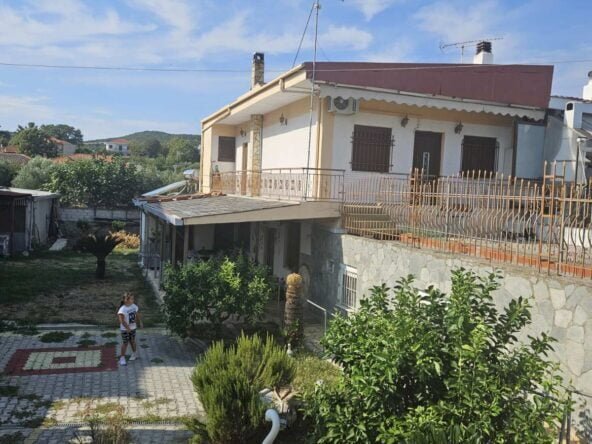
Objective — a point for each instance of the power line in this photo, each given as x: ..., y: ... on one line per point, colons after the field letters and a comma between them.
x: 227, y: 70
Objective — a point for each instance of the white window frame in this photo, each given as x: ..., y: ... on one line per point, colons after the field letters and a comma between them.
x: 347, y: 297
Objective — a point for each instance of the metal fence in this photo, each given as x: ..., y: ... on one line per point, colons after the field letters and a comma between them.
x: 544, y: 224
x: 282, y: 183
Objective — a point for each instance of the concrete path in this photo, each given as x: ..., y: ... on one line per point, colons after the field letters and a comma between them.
x: 52, y: 384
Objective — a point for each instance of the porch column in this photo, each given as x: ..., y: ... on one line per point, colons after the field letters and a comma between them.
x: 256, y: 145
x: 185, y: 242
x: 174, y: 245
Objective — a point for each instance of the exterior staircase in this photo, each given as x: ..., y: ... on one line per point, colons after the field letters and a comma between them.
x: 369, y: 220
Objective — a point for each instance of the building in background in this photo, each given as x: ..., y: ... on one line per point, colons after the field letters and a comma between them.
x: 119, y: 146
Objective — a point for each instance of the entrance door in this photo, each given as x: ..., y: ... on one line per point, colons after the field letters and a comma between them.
x: 243, y: 179
x: 427, y: 152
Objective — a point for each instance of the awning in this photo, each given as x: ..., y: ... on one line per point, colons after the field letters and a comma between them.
x: 438, y: 102
x: 208, y: 209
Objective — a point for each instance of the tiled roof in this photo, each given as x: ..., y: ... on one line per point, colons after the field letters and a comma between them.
x: 17, y: 158
x: 118, y: 141
x: 526, y: 85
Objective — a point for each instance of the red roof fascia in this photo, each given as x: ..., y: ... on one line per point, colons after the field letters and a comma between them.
x: 526, y: 85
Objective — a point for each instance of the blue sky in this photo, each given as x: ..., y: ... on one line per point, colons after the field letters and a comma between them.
x: 223, y: 34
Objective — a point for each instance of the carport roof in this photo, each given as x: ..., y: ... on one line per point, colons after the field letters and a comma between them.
x: 211, y: 209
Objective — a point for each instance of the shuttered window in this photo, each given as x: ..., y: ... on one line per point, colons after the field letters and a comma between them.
x: 479, y: 154
x: 226, y: 149
x: 348, y: 291
x: 371, y: 149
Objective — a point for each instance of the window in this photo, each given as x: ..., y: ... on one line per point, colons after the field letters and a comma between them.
x: 226, y: 149
x: 348, y: 294
x: 371, y: 149
x: 292, y: 246
x: 479, y: 154
x: 120, y: 148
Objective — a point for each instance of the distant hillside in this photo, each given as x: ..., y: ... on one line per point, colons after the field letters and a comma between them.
x: 142, y: 136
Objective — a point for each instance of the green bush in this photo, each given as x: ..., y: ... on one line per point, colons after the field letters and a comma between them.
x: 34, y: 175
x: 424, y: 367
x: 312, y: 371
x: 214, y: 290
x: 228, y: 382
x: 118, y: 225
x: 8, y: 171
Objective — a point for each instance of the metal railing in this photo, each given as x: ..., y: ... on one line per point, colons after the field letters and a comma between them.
x: 282, y: 183
x: 545, y: 224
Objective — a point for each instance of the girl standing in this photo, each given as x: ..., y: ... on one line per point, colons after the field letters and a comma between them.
x: 128, y: 316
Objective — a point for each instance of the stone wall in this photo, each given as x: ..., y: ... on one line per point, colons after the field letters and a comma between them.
x: 561, y: 306
x: 90, y: 214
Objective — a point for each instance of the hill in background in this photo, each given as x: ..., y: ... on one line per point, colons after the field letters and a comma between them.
x: 143, y: 136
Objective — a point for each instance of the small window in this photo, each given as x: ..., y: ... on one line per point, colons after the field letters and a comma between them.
x: 120, y: 148
x: 348, y: 293
x: 226, y: 149
x: 371, y: 149
x: 479, y: 154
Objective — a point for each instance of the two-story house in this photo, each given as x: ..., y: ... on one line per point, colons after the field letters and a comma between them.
x: 279, y: 161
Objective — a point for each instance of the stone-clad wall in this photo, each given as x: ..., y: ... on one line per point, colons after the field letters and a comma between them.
x: 561, y: 306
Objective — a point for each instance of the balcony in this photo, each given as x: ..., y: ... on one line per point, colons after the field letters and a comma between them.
x: 291, y: 184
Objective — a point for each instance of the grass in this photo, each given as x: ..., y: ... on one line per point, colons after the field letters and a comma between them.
x: 311, y: 369
x: 156, y: 361
x: 61, y: 287
x: 109, y: 334
x: 86, y: 342
x: 8, y: 390
x: 55, y: 336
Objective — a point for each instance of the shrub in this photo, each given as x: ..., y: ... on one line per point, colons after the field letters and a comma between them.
x: 228, y: 382
x: 128, y: 240
x: 7, y: 173
x: 118, y: 225
x: 312, y: 371
x: 429, y: 368
x: 55, y: 336
x: 106, y: 426
x: 213, y: 291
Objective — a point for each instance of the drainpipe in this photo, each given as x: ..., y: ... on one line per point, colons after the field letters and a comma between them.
x: 272, y: 416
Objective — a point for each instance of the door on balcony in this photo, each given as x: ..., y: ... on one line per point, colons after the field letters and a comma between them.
x: 270, y: 234
x: 243, y: 179
x: 427, y: 152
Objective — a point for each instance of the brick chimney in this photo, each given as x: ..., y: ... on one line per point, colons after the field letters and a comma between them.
x: 484, y: 55
x: 258, y: 70
x: 587, y: 93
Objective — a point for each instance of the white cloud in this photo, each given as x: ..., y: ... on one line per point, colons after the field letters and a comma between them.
x: 345, y: 37
x: 370, y: 8
x: 399, y: 51
x: 176, y: 13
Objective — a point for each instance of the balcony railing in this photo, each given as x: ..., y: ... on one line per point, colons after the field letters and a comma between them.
x: 296, y: 184
x: 544, y: 224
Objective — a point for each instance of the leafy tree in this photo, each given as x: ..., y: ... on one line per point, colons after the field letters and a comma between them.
x: 35, y: 175
x: 84, y: 150
x: 4, y: 138
x: 424, y: 367
x: 7, y: 172
x: 228, y: 382
x: 148, y: 148
x: 64, y: 132
x: 181, y: 151
x: 32, y: 141
x: 97, y: 182
x: 214, y: 290
x: 100, y: 245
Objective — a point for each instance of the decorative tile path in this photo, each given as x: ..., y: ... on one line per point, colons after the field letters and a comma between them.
x: 57, y: 382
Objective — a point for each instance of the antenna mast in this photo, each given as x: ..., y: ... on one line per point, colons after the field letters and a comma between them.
x: 463, y: 45
x: 316, y: 6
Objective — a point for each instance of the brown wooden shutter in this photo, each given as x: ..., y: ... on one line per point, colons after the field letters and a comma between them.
x: 478, y: 154
x: 226, y: 149
x: 371, y: 149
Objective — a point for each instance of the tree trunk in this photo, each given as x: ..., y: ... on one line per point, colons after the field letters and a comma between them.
x: 101, y: 265
x: 293, y: 315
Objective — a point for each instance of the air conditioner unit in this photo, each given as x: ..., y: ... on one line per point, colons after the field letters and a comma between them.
x: 339, y: 105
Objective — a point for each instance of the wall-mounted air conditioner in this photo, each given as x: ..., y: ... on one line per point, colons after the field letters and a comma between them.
x: 340, y: 105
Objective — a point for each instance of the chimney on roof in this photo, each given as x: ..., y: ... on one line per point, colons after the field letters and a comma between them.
x: 483, y: 55
x: 587, y: 93
x: 258, y: 70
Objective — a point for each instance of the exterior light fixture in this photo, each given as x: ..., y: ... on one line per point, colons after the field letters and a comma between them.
x: 405, y: 121
x: 283, y: 120
x: 458, y: 128
x: 242, y: 132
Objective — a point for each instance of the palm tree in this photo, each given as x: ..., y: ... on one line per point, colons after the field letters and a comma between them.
x: 100, y: 245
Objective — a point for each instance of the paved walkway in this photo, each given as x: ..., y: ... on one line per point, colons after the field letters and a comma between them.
x: 54, y: 383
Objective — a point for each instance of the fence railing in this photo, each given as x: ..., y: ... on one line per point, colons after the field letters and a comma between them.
x: 545, y: 224
x: 282, y: 183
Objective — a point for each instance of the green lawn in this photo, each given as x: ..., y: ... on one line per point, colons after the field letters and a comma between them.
x: 61, y: 287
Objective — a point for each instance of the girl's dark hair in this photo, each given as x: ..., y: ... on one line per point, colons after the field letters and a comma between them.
x: 126, y: 295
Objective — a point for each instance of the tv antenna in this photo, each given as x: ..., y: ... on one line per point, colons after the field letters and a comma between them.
x: 467, y: 44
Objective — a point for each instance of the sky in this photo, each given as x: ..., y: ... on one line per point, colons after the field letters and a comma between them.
x: 223, y: 35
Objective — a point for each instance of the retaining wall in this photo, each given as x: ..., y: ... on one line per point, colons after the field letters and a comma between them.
x: 90, y: 214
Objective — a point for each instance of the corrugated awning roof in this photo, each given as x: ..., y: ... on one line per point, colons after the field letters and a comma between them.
x: 209, y: 209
